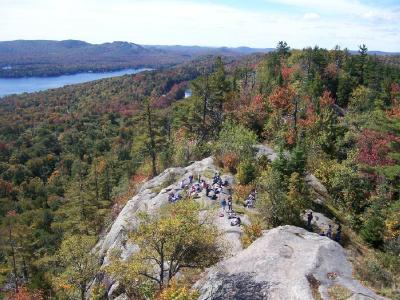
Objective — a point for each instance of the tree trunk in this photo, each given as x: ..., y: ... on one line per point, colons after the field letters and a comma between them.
x: 82, y: 293
x: 96, y: 180
x: 205, y: 102
x: 152, y: 141
x: 14, y: 259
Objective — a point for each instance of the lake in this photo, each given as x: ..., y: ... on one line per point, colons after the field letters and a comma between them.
x: 10, y: 86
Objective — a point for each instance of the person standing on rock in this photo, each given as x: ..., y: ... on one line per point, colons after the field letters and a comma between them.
x: 230, y: 203
x: 223, y: 204
x: 329, y: 232
x: 190, y: 179
x: 338, y: 235
x: 309, y: 219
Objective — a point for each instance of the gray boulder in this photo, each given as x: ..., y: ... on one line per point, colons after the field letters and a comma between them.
x: 285, y: 263
x: 320, y: 221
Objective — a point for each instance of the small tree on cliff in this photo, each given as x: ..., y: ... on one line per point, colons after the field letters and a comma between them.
x: 77, y: 264
x: 174, y: 240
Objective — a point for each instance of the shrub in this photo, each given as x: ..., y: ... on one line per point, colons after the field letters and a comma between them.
x: 236, y: 139
x: 241, y: 192
x: 177, y: 292
x: 371, y: 271
x: 230, y: 161
x: 392, y: 222
x: 251, y: 233
x: 372, y: 231
x: 338, y: 292
x: 246, y: 172
x: 281, y: 203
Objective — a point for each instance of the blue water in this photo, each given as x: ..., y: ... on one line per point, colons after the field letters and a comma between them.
x: 10, y: 86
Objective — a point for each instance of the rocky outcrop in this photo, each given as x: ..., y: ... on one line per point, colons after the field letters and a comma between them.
x: 319, y: 221
x: 285, y: 263
x: 317, y: 186
x: 152, y: 195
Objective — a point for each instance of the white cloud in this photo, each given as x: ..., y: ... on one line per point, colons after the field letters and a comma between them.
x: 342, y: 7
x: 311, y: 16
x: 195, y: 23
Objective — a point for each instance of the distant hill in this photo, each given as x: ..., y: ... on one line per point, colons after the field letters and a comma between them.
x: 22, y: 58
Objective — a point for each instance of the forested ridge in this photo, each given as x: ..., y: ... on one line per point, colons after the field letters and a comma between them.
x: 26, y: 58
x: 71, y: 157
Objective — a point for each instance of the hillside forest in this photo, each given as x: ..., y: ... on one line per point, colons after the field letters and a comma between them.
x: 70, y: 158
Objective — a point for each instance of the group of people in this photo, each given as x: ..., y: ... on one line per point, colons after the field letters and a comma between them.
x: 212, y: 191
x: 329, y: 233
x: 218, y: 189
x: 227, y: 207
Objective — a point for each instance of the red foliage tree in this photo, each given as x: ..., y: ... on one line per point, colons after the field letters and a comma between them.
x: 326, y: 99
x: 374, y: 146
x: 287, y: 72
x: 24, y: 294
x: 282, y: 98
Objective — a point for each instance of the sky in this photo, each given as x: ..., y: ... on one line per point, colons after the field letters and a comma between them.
x: 232, y: 23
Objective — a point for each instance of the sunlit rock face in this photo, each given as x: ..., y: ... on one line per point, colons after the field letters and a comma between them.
x: 287, y: 262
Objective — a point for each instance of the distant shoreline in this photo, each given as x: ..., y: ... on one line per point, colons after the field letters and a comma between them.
x: 66, y: 73
x: 15, y: 86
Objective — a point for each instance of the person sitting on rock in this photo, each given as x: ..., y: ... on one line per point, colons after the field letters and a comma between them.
x: 182, y: 184
x: 217, y: 189
x: 236, y: 222
x: 231, y: 215
x: 217, y: 178
x: 203, y: 184
x: 249, y: 202
x: 190, y: 179
x: 197, y: 188
x: 172, y: 198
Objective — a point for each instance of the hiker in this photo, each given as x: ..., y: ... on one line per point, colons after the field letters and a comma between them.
x: 190, y: 179
x: 329, y: 232
x: 236, y: 222
x: 223, y: 204
x: 216, y: 178
x: 172, y: 198
x: 204, y: 184
x: 232, y: 215
x: 309, y: 219
x: 338, y: 235
x: 230, y: 203
x: 197, y: 187
x: 249, y: 202
x: 208, y: 190
x: 182, y: 184
x: 322, y: 233
x: 217, y: 189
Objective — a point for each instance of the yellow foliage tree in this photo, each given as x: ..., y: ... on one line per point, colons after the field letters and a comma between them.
x: 175, y: 239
